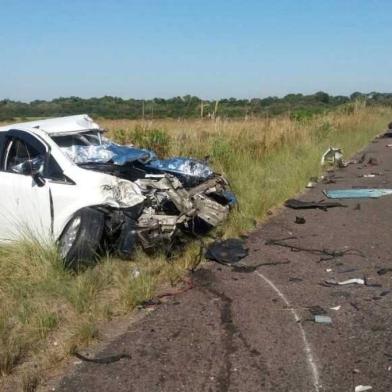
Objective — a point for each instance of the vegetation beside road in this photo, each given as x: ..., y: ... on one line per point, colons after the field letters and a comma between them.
x: 45, y: 310
x: 298, y: 105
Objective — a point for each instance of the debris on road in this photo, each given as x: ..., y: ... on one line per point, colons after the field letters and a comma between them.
x: 102, y: 361
x: 336, y: 307
x: 362, y: 193
x: 300, y: 220
x: 322, y: 205
x: 333, y: 156
x: 362, y: 388
x: 330, y: 253
x: 334, y: 282
x: 373, y: 161
x: 317, y: 309
x: 228, y: 251
x: 322, y: 319
x: 384, y: 271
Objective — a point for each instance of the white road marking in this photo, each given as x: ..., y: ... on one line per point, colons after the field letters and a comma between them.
x: 307, y: 349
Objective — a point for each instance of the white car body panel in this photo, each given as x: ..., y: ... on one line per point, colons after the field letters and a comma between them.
x: 26, y: 207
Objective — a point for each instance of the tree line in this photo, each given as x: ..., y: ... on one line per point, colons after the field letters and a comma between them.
x: 188, y: 106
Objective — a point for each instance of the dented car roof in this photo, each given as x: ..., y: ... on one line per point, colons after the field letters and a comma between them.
x: 58, y: 126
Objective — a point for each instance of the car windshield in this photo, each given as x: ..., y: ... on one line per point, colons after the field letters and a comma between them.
x: 89, y: 138
x: 91, y: 147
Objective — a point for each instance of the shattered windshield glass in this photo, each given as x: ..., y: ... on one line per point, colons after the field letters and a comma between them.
x: 91, y: 147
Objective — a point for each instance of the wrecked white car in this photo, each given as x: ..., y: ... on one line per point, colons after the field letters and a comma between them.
x: 61, y: 179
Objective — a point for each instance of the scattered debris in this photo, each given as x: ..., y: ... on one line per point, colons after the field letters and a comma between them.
x: 321, y: 319
x: 330, y: 253
x: 334, y: 282
x: 300, y: 220
x: 384, y: 271
x: 336, y: 307
x: 228, y: 251
x: 354, y: 305
x: 373, y: 161
x: 333, y: 156
x: 322, y: 205
x: 357, y: 193
x: 311, y: 184
x: 295, y: 279
x: 346, y: 270
x: 371, y: 175
x: 317, y: 310
x: 362, y: 388
x: 104, y: 361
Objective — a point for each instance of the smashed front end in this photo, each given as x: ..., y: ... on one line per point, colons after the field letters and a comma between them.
x: 182, y: 196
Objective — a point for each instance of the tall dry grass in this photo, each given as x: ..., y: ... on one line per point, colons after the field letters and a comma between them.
x: 46, y: 310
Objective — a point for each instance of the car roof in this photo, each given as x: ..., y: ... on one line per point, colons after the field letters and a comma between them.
x: 58, y: 126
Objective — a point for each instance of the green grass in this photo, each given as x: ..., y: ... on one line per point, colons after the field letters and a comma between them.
x: 45, y: 311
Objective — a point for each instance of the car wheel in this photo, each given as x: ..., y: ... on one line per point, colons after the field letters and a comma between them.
x: 80, y: 240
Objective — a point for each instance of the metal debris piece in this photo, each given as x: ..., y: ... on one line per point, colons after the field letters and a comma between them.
x: 357, y: 193
x: 362, y: 388
x: 384, y: 271
x: 334, y: 282
x: 317, y: 310
x: 373, y: 161
x: 333, y: 156
x: 300, y: 220
x: 322, y: 205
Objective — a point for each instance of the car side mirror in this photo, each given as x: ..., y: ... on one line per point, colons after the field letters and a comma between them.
x: 31, y: 167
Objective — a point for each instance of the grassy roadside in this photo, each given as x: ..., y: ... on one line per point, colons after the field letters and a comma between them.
x: 45, y: 311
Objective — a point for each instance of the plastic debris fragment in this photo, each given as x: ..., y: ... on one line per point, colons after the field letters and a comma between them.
x: 228, y: 251
x: 345, y: 282
x: 322, y: 319
x: 357, y: 193
x: 334, y: 156
x: 362, y: 388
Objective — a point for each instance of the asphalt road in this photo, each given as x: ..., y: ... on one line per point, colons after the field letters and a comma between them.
x: 254, y: 331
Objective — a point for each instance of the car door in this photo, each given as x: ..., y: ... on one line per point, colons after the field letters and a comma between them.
x: 25, y: 201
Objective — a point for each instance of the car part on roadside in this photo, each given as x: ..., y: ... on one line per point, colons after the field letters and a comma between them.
x: 102, y: 361
x: 373, y: 161
x: 363, y: 388
x: 334, y: 282
x: 322, y: 205
x: 322, y: 319
x: 362, y: 193
x: 228, y: 251
x: 95, y: 195
x: 329, y: 253
x: 384, y: 271
x: 243, y: 268
x: 333, y: 156
x: 300, y: 220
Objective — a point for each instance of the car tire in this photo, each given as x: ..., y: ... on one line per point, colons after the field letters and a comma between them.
x: 83, y: 233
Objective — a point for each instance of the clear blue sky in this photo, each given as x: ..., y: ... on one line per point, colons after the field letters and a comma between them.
x: 208, y: 48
